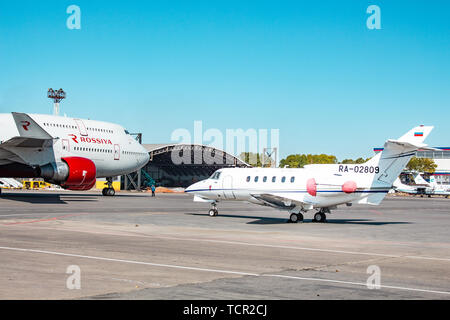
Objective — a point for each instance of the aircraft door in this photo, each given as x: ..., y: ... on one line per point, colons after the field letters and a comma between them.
x: 81, y: 127
x: 227, y: 186
x: 65, y: 146
x: 116, y: 152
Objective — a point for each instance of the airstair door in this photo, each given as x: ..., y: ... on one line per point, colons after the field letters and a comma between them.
x: 227, y: 186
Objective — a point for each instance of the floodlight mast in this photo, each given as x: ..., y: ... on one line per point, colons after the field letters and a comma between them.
x: 57, y: 96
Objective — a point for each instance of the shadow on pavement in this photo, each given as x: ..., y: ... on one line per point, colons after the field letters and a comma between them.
x: 282, y: 220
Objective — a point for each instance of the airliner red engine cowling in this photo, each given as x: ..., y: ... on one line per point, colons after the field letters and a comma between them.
x: 73, y: 173
x: 82, y: 174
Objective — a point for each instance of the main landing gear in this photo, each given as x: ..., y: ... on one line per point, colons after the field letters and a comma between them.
x: 295, y: 217
x: 320, y: 215
x: 109, y: 191
x: 213, y: 212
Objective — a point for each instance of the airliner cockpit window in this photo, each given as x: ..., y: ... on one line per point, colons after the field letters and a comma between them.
x: 216, y: 175
x: 126, y: 131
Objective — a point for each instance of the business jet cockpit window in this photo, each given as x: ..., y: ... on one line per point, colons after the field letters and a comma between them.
x: 215, y: 176
x: 126, y: 132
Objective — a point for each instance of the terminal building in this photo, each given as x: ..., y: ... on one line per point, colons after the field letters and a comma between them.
x: 442, y: 159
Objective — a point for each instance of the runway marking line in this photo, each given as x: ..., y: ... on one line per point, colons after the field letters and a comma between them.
x: 259, y: 244
x: 220, y: 271
x: 301, y: 248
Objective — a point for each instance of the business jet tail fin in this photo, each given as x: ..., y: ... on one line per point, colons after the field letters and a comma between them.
x: 397, y: 153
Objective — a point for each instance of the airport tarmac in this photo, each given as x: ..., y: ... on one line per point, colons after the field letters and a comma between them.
x: 133, y: 246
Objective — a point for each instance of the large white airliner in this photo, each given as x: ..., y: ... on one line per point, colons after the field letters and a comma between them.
x: 318, y: 186
x: 66, y: 151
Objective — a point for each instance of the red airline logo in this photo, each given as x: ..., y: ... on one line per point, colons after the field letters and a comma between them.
x: 25, y: 125
x: 90, y: 140
x: 74, y: 138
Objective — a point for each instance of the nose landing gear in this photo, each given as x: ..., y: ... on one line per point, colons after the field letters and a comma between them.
x: 213, y: 212
x: 109, y: 191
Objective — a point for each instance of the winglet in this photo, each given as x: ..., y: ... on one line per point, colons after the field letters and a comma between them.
x: 28, y: 128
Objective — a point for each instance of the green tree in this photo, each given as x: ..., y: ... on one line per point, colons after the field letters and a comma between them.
x: 253, y: 159
x: 357, y: 161
x: 300, y: 160
x: 421, y: 165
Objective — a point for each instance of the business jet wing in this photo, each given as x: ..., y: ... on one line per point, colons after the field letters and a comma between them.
x: 284, y: 200
x: 31, y: 134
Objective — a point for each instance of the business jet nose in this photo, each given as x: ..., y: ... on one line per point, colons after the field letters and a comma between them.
x: 192, y: 187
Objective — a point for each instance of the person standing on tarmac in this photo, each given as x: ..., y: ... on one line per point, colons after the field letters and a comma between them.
x: 153, y: 190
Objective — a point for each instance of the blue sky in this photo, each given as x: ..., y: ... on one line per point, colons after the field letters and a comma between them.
x: 311, y: 69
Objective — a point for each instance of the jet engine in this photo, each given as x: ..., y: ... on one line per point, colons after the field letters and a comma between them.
x: 73, y: 173
x: 312, y: 187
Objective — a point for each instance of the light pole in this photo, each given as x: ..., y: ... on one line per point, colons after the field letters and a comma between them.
x: 57, y: 96
x: 267, y: 157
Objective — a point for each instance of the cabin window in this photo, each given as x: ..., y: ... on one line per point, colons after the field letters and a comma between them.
x: 265, y: 179
x: 248, y: 179
x: 292, y: 179
x: 274, y: 179
x: 283, y: 179
x: 256, y: 179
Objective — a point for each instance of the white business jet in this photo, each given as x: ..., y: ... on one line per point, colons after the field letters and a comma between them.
x: 318, y: 186
x: 66, y: 151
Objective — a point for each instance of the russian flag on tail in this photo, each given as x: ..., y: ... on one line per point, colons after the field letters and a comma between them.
x: 418, y: 134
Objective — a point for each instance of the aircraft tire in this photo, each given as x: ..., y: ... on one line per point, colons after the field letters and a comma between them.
x: 212, y: 213
x: 108, y: 192
x: 320, y: 217
x: 293, y: 218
